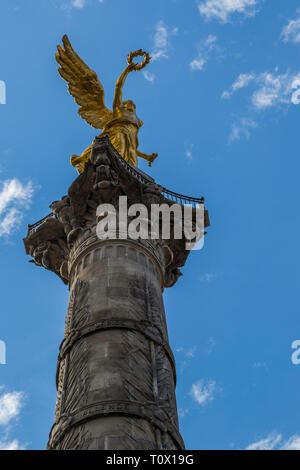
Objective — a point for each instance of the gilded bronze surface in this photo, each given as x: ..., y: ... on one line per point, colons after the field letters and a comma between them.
x: 121, y: 124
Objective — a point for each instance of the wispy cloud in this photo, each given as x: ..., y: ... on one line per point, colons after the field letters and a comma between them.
x: 183, y: 412
x: 189, y: 148
x: 291, y: 32
x: 275, y: 441
x: 211, y: 344
x: 197, y: 63
x: 11, y: 445
x: 10, y: 407
x: 203, y: 392
x: 274, y: 89
x: 271, y: 89
x: 161, y: 40
x: 78, y: 3
x: 208, y: 277
x: 295, y: 85
x: 242, y: 129
x: 14, y: 197
x: 150, y: 77
x: 186, y: 356
x: 189, y: 353
x: 204, y: 49
x: 242, y: 81
x: 267, y: 443
x: 2, y: 92
x: 13, y: 191
x: 222, y: 10
x: 293, y: 443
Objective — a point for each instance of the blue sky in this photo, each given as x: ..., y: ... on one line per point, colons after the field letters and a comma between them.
x: 219, y: 102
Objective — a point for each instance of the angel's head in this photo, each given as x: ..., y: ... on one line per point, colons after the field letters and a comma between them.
x: 129, y: 106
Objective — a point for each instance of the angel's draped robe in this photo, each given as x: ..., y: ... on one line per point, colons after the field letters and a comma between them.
x: 122, y: 135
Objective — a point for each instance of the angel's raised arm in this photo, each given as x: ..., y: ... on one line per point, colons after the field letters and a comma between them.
x: 119, y: 86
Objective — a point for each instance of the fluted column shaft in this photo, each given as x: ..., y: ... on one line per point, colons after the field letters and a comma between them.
x: 116, y: 372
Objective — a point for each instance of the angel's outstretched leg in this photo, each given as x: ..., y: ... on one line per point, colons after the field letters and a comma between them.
x: 78, y: 161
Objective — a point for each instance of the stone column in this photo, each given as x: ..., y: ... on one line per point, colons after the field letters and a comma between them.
x: 116, y: 372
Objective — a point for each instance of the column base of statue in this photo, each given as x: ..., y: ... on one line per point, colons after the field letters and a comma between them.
x: 116, y: 372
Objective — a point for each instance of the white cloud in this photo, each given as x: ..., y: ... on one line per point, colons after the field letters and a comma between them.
x: 150, y: 77
x: 162, y: 41
x: 208, y: 277
x: 191, y: 352
x: 291, y: 32
x: 275, y: 89
x: 242, y: 129
x: 275, y: 441
x: 183, y: 412
x: 211, y: 345
x: 14, y: 191
x: 11, y: 445
x: 296, y: 94
x: 10, y: 406
x: 2, y: 92
x: 271, y: 89
x: 78, y: 3
x: 197, y: 64
x: 10, y: 221
x: 223, y: 9
x: 267, y: 443
x: 293, y: 443
x: 13, y: 197
x: 203, y: 392
x: 187, y: 355
x: 242, y: 81
x: 204, y: 49
x: 189, y: 149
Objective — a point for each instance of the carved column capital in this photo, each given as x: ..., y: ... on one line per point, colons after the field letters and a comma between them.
x: 72, y: 225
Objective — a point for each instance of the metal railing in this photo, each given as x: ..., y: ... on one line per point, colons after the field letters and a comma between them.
x: 32, y: 228
x: 181, y: 199
x: 143, y: 178
x: 171, y: 195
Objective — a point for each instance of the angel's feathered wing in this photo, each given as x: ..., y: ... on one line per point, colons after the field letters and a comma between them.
x: 83, y: 85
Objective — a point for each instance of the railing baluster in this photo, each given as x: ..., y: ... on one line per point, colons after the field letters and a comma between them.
x: 170, y: 195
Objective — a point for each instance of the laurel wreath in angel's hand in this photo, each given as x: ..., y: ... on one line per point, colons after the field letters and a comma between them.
x: 135, y: 65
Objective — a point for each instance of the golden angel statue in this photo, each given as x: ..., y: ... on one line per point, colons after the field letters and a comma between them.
x: 121, y: 124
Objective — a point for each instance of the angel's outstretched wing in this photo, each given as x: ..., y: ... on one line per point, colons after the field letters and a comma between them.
x: 83, y: 85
